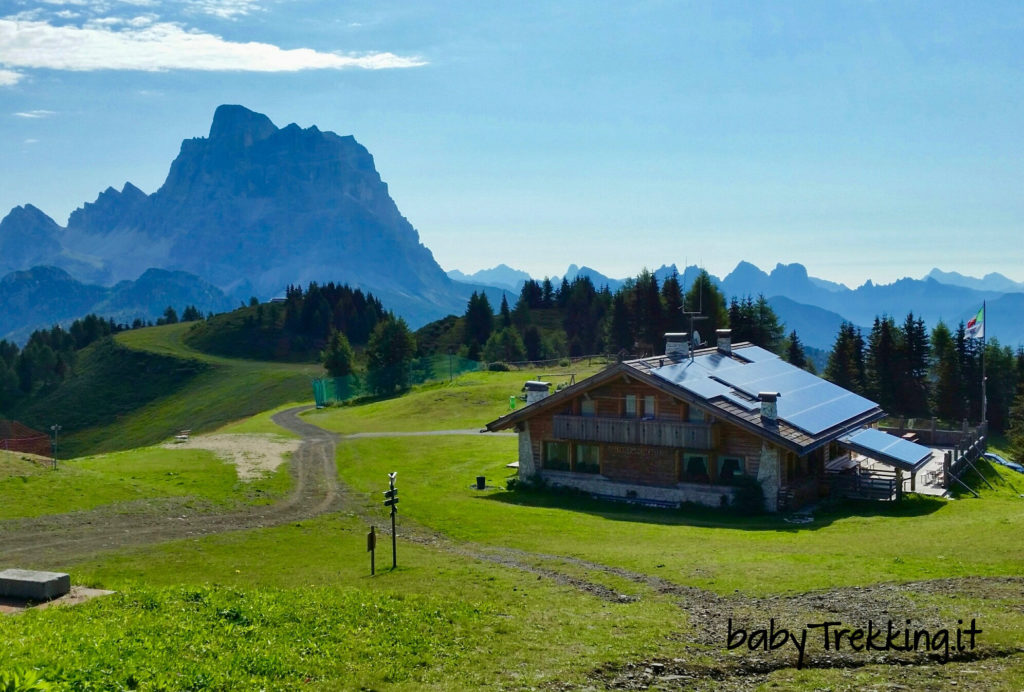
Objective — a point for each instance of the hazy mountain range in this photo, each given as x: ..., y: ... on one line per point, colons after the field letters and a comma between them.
x: 252, y: 208
x: 816, y: 307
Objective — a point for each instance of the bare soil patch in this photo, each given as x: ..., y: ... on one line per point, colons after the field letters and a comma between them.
x: 254, y: 456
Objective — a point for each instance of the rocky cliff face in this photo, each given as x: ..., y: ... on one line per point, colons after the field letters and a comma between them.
x: 252, y: 208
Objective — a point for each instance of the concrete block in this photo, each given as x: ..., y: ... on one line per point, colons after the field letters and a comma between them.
x: 31, y: 585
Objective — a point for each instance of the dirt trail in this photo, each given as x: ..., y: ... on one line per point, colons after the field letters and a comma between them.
x: 54, y: 540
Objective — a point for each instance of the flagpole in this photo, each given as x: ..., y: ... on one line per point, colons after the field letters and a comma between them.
x: 984, y: 336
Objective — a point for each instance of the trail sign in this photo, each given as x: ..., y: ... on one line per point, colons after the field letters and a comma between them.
x: 391, y: 500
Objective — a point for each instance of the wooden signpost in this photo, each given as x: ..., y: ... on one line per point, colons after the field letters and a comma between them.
x: 391, y: 500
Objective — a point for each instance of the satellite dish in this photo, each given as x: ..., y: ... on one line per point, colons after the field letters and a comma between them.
x: 696, y: 339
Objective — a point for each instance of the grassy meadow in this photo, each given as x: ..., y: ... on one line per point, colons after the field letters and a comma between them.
x: 494, y: 588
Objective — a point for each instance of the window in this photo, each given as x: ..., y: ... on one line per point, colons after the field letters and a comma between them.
x: 695, y: 415
x: 696, y: 469
x: 631, y: 406
x: 587, y: 408
x: 732, y: 468
x: 588, y: 459
x: 556, y: 456
x: 648, y: 408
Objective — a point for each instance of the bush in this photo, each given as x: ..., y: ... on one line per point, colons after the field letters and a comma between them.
x: 749, y: 497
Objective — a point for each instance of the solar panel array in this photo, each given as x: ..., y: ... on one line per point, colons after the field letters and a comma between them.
x: 805, y: 401
x: 907, y: 453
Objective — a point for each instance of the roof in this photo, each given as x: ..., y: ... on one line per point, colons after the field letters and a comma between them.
x: 889, y: 449
x: 811, y: 411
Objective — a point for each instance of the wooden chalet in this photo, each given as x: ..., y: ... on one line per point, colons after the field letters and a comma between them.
x: 690, y: 425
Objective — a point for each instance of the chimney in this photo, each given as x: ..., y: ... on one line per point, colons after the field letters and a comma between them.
x: 677, y: 344
x: 724, y: 341
x: 769, y: 406
x: 536, y: 390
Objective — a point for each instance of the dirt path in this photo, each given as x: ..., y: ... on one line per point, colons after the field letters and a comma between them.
x: 55, y: 540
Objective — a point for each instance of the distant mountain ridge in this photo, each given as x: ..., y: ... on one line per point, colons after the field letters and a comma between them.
x: 40, y: 297
x: 815, y: 307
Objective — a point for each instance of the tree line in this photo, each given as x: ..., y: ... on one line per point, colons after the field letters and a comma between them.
x: 50, y: 356
x: 575, y: 318
x: 911, y: 372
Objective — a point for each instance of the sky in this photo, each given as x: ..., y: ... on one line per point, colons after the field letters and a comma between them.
x: 865, y: 140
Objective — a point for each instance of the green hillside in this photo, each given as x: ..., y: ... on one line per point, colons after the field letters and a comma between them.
x: 142, y: 386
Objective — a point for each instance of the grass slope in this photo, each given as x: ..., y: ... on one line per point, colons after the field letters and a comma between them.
x: 214, y: 391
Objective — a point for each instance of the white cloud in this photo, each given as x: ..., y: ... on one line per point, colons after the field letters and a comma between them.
x: 9, y: 77
x: 35, y: 114
x: 31, y: 141
x: 164, y: 46
x: 224, y: 9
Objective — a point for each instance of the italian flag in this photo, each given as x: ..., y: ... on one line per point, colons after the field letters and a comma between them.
x: 976, y: 325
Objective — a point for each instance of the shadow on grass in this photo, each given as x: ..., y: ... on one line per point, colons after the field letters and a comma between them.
x: 697, y: 515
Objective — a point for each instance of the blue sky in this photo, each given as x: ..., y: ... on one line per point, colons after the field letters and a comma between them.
x: 862, y: 139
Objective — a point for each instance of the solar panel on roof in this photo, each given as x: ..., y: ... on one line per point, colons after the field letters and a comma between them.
x: 742, y: 402
x: 889, y: 448
x: 806, y: 402
x: 756, y: 354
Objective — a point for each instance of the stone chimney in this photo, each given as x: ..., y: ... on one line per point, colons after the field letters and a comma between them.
x: 724, y: 340
x: 536, y: 390
x: 677, y: 344
x: 769, y: 406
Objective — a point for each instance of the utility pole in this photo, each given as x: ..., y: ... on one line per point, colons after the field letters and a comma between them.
x: 56, y: 430
x: 391, y: 500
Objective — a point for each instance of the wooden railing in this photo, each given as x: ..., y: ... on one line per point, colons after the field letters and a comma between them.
x: 655, y: 433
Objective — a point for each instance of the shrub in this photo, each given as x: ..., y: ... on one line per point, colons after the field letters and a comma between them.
x: 749, y: 497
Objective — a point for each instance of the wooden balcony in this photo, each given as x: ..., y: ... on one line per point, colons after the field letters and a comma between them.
x: 656, y: 433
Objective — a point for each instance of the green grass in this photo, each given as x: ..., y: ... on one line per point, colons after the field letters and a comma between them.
x: 856, y: 544
x: 251, y: 610
x: 223, y: 391
x: 468, y: 402
x: 29, y: 489
x: 294, y: 606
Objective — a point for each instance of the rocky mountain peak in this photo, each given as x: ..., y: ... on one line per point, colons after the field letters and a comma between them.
x: 238, y: 127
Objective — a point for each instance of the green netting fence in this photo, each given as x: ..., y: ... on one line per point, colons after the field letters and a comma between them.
x: 333, y: 390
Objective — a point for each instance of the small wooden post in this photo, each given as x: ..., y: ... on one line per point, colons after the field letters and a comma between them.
x: 371, y: 546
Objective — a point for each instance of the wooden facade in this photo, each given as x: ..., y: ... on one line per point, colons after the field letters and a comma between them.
x: 625, y: 431
x: 685, y: 428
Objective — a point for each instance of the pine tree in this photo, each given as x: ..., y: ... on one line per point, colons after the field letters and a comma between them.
x: 846, y: 361
x: 506, y: 316
x: 795, y: 351
x: 672, y: 299
x: 479, y: 319
x: 705, y: 297
x: 389, y: 354
x: 883, y: 366
x: 338, y: 356
x: 620, y: 333
x: 947, y: 387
